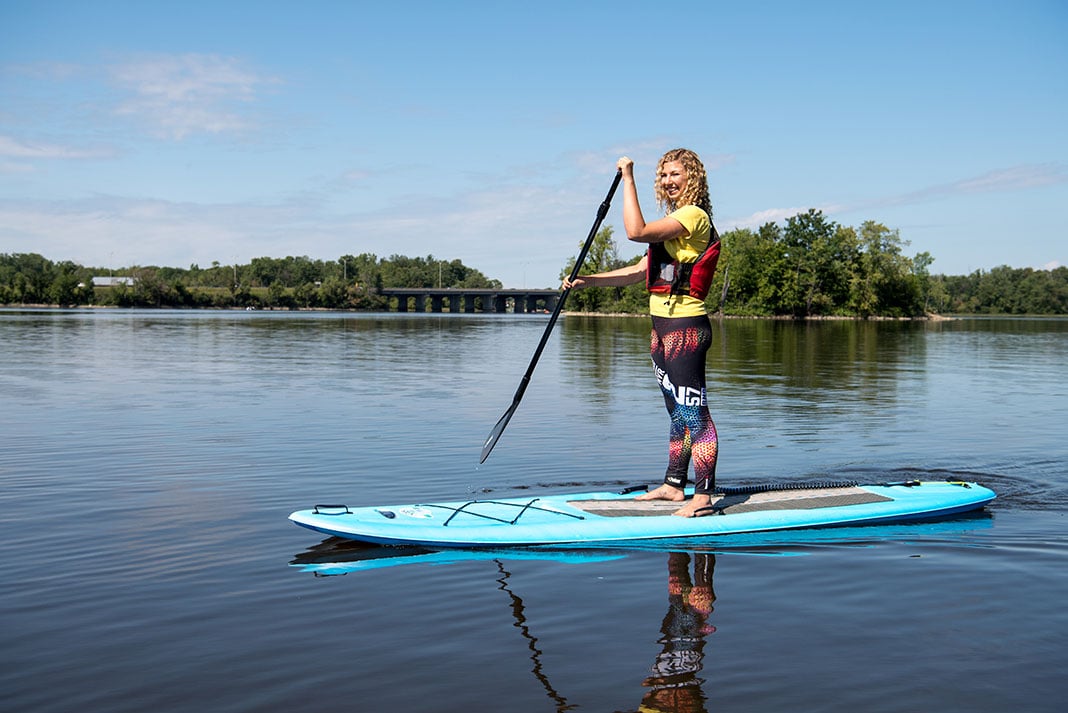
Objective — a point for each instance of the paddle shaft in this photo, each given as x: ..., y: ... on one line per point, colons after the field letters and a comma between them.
x: 602, y: 211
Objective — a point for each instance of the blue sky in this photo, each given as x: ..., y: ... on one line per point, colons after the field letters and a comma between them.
x: 173, y: 133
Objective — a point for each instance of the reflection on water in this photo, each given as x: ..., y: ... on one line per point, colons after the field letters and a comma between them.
x: 519, y: 614
x: 335, y: 556
x: 675, y: 685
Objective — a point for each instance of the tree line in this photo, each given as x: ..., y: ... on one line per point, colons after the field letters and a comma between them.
x: 813, y: 267
x: 808, y: 267
x: 350, y: 282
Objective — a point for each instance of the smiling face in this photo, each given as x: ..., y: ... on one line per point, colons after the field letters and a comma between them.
x: 672, y: 178
x: 681, y: 180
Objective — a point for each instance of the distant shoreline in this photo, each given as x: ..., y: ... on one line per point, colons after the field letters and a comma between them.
x: 930, y: 317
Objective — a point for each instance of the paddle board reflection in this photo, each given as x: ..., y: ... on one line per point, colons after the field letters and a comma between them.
x: 335, y: 556
x: 675, y: 683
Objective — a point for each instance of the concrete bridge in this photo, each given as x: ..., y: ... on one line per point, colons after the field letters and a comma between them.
x: 463, y: 299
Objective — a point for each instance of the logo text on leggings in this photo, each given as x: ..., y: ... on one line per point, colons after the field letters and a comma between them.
x: 684, y: 395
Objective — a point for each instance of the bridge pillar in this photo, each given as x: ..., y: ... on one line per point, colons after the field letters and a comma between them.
x: 402, y: 303
x: 454, y: 303
x: 435, y: 303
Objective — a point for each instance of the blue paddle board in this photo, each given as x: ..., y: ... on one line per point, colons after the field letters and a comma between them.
x: 604, y: 517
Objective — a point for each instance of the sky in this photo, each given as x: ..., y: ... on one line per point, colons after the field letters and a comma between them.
x: 181, y: 133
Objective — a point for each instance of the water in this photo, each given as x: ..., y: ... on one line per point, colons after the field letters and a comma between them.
x: 149, y: 460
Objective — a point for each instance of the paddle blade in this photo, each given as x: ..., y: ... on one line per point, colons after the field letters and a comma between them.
x: 495, y: 434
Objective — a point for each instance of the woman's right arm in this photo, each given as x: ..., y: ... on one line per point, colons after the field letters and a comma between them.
x: 638, y: 231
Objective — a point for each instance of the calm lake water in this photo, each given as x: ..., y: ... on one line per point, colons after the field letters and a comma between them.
x: 149, y: 460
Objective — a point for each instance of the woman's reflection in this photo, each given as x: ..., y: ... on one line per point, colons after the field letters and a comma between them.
x: 674, y: 684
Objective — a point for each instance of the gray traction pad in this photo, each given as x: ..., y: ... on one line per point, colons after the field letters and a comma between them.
x: 733, y: 504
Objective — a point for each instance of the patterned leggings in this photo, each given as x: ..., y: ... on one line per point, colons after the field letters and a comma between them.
x: 678, y: 346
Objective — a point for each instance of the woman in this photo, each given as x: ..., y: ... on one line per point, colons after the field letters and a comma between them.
x: 678, y: 269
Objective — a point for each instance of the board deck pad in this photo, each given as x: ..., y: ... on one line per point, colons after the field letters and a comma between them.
x: 732, y: 504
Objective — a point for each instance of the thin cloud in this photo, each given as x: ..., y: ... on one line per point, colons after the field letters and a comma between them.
x: 13, y: 148
x: 138, y: 231
x: 771, y: 215
x: 183, y: 95
x: 47, y: 71
x: 1016, y: 178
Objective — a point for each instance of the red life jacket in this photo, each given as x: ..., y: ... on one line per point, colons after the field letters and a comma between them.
x: 666, y: 275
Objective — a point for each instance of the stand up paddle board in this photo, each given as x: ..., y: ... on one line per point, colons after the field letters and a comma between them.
x: 603, y: 517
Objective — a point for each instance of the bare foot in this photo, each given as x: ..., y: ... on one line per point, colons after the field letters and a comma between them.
x: 696, y: 503
x: 664, y: 492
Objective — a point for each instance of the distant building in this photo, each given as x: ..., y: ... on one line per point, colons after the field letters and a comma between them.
x: 106, y: 281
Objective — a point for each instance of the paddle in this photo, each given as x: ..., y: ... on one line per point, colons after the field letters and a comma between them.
x: 495, y: 434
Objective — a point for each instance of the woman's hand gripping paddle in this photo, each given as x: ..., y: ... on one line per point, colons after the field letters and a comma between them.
x: 495, y: 434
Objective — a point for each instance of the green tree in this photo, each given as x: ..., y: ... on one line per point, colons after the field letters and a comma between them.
x: 149, y: 290
x: 752, y: 264
x: 364, y: 270
x: 333, y: 294
x: 885, y: 281
x: 305, y: 295
x: 926, y: 289
x: 819, y: 258
x: 31, y: 276
x: 276, y: 295
x: 65, y: 289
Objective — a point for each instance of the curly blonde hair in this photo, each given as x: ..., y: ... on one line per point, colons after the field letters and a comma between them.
x: 696, y: 191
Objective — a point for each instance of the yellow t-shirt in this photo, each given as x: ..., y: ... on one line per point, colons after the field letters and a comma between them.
x: 684, y: 249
